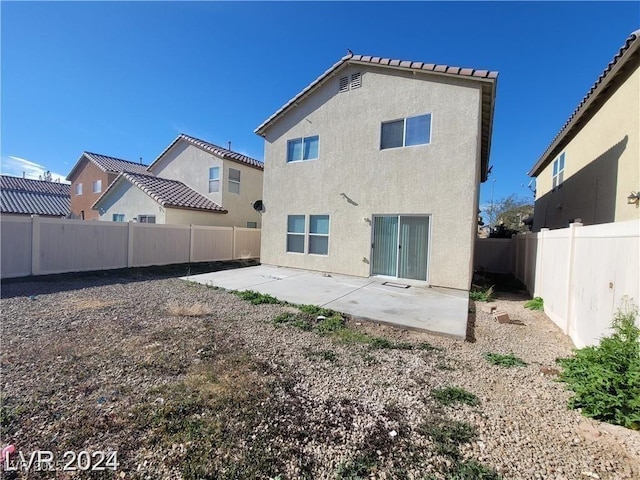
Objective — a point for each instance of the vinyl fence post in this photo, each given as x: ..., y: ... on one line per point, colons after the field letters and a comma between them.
x: 569, y: 294
x: 130, y: 245
x: 192, y: 239
x: 35, y: 245
x: 233, y: 248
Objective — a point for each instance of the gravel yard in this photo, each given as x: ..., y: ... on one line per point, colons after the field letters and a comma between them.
x: 188, y: 382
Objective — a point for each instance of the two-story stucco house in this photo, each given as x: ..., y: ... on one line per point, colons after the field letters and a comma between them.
x: 90, y: 177
x: 229, y: 179
x: 374, y: 169
x: 591, y: 170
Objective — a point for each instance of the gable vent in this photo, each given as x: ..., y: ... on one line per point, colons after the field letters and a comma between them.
x: 344, y: 84
x: 356, y: 80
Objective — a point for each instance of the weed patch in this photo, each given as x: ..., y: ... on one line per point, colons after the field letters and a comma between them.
x: 535, y: 303
x: 454, y: 395
x: 447, y: 435
x: 257, y: 298
x: 605, y: 379
x: 480, y: 294
x: 502, y: 360
x: 326, y: 355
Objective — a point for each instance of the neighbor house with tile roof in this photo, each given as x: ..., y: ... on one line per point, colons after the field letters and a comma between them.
x: 374, y: 169
x: 148, y: 199
x: 90, y: 177
x: 590, y: 173
x: 26, y: 197
x: 229, y: 179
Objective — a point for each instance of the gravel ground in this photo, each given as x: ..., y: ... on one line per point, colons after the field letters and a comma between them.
x: 89, y: 364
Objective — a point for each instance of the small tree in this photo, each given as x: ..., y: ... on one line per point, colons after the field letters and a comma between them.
x: 509, y: 212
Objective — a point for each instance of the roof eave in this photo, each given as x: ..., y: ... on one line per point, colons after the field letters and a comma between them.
x: 571, y: 127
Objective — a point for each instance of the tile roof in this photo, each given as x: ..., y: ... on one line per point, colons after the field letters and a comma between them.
x: 29, y: 197
x: 168, y: 193
x: 614, y: 73
x: 486, y: 77
x: 108, y: 164
x: 221, y: 152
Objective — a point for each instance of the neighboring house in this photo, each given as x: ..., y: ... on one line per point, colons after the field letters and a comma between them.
x: 592, y: 166
x: 148, y: 199
x: 22, y: 196
x: 227, y: 178
x: 90, y: 176
x: 374, y: 169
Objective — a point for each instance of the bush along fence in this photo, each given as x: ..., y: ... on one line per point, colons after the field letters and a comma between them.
x: 41, y: 246
x: 581, y: 272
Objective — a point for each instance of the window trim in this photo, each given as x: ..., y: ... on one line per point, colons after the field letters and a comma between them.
x: 96, y: 183
x: 140, y: 217
x: 230, y: 181
x: 302, y: 139
x: 78, y: 189
x: 404, y: 131
x: 217, y: 190
x: 117, y: 217
x: 557, y: 176
x: 307, y: 234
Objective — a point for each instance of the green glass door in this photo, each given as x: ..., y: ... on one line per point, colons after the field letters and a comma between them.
x: 400, y: 246
x: 385, y: 246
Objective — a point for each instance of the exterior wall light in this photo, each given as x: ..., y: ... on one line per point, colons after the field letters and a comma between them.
x: 634, y: 198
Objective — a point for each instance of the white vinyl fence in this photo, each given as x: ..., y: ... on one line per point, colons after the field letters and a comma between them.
x: 584, y: 274
x: 41, y: 245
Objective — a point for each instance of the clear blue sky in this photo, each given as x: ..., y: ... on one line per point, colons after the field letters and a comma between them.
x: 124, y: 79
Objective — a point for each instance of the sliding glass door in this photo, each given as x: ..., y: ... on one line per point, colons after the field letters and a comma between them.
x: 400, y: 246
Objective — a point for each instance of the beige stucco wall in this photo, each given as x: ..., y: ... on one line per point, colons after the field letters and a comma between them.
x: 353, y: 179
x: 190, y: 165
x: 179, y: 216
x: 130, y: 201
x: 602, y: 166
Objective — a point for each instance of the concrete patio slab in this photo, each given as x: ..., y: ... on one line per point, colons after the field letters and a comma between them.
x: 437, y: 310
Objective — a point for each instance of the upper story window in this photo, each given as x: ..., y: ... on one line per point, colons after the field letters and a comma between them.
x: 406, y: 132
x: 234, y: 180
x: 558, y: 171
x: 97, y: 186
x: 214, y: 179
x: 78, y: 189
x: 305, y: 148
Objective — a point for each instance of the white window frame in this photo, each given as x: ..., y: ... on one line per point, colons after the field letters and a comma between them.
x: 302, y: 150
x: 97, y: 186
x: 117, y: 217
x: 216, y: 180
x: 310, y: 234
x: 146, y: 218
x: 78, y: 188
x: 302, y: 234
x: 307, y: 234
x: 234, y: 182
x: 404, y: 131
x: 557, y: 171
x: 252, y: 224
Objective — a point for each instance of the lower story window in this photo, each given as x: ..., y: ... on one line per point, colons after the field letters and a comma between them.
x: 118, y: 217
x: 147, y: 218
x: 311, y: 238
x: 295, y: 233
x: 252, y: 224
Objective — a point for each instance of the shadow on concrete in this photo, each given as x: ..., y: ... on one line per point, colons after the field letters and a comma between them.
x: 44, y: 284
x: 589, y: 194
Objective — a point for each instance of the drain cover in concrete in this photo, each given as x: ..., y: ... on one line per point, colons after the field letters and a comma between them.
x: 396, y: 285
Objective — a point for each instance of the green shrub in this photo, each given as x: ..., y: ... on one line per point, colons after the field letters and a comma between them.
x: 535, y: 303
x: 605, y: 379
x: 503, y: 360
x: 452, y: 395
x: 257, y: 298
x: 480, y: 294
